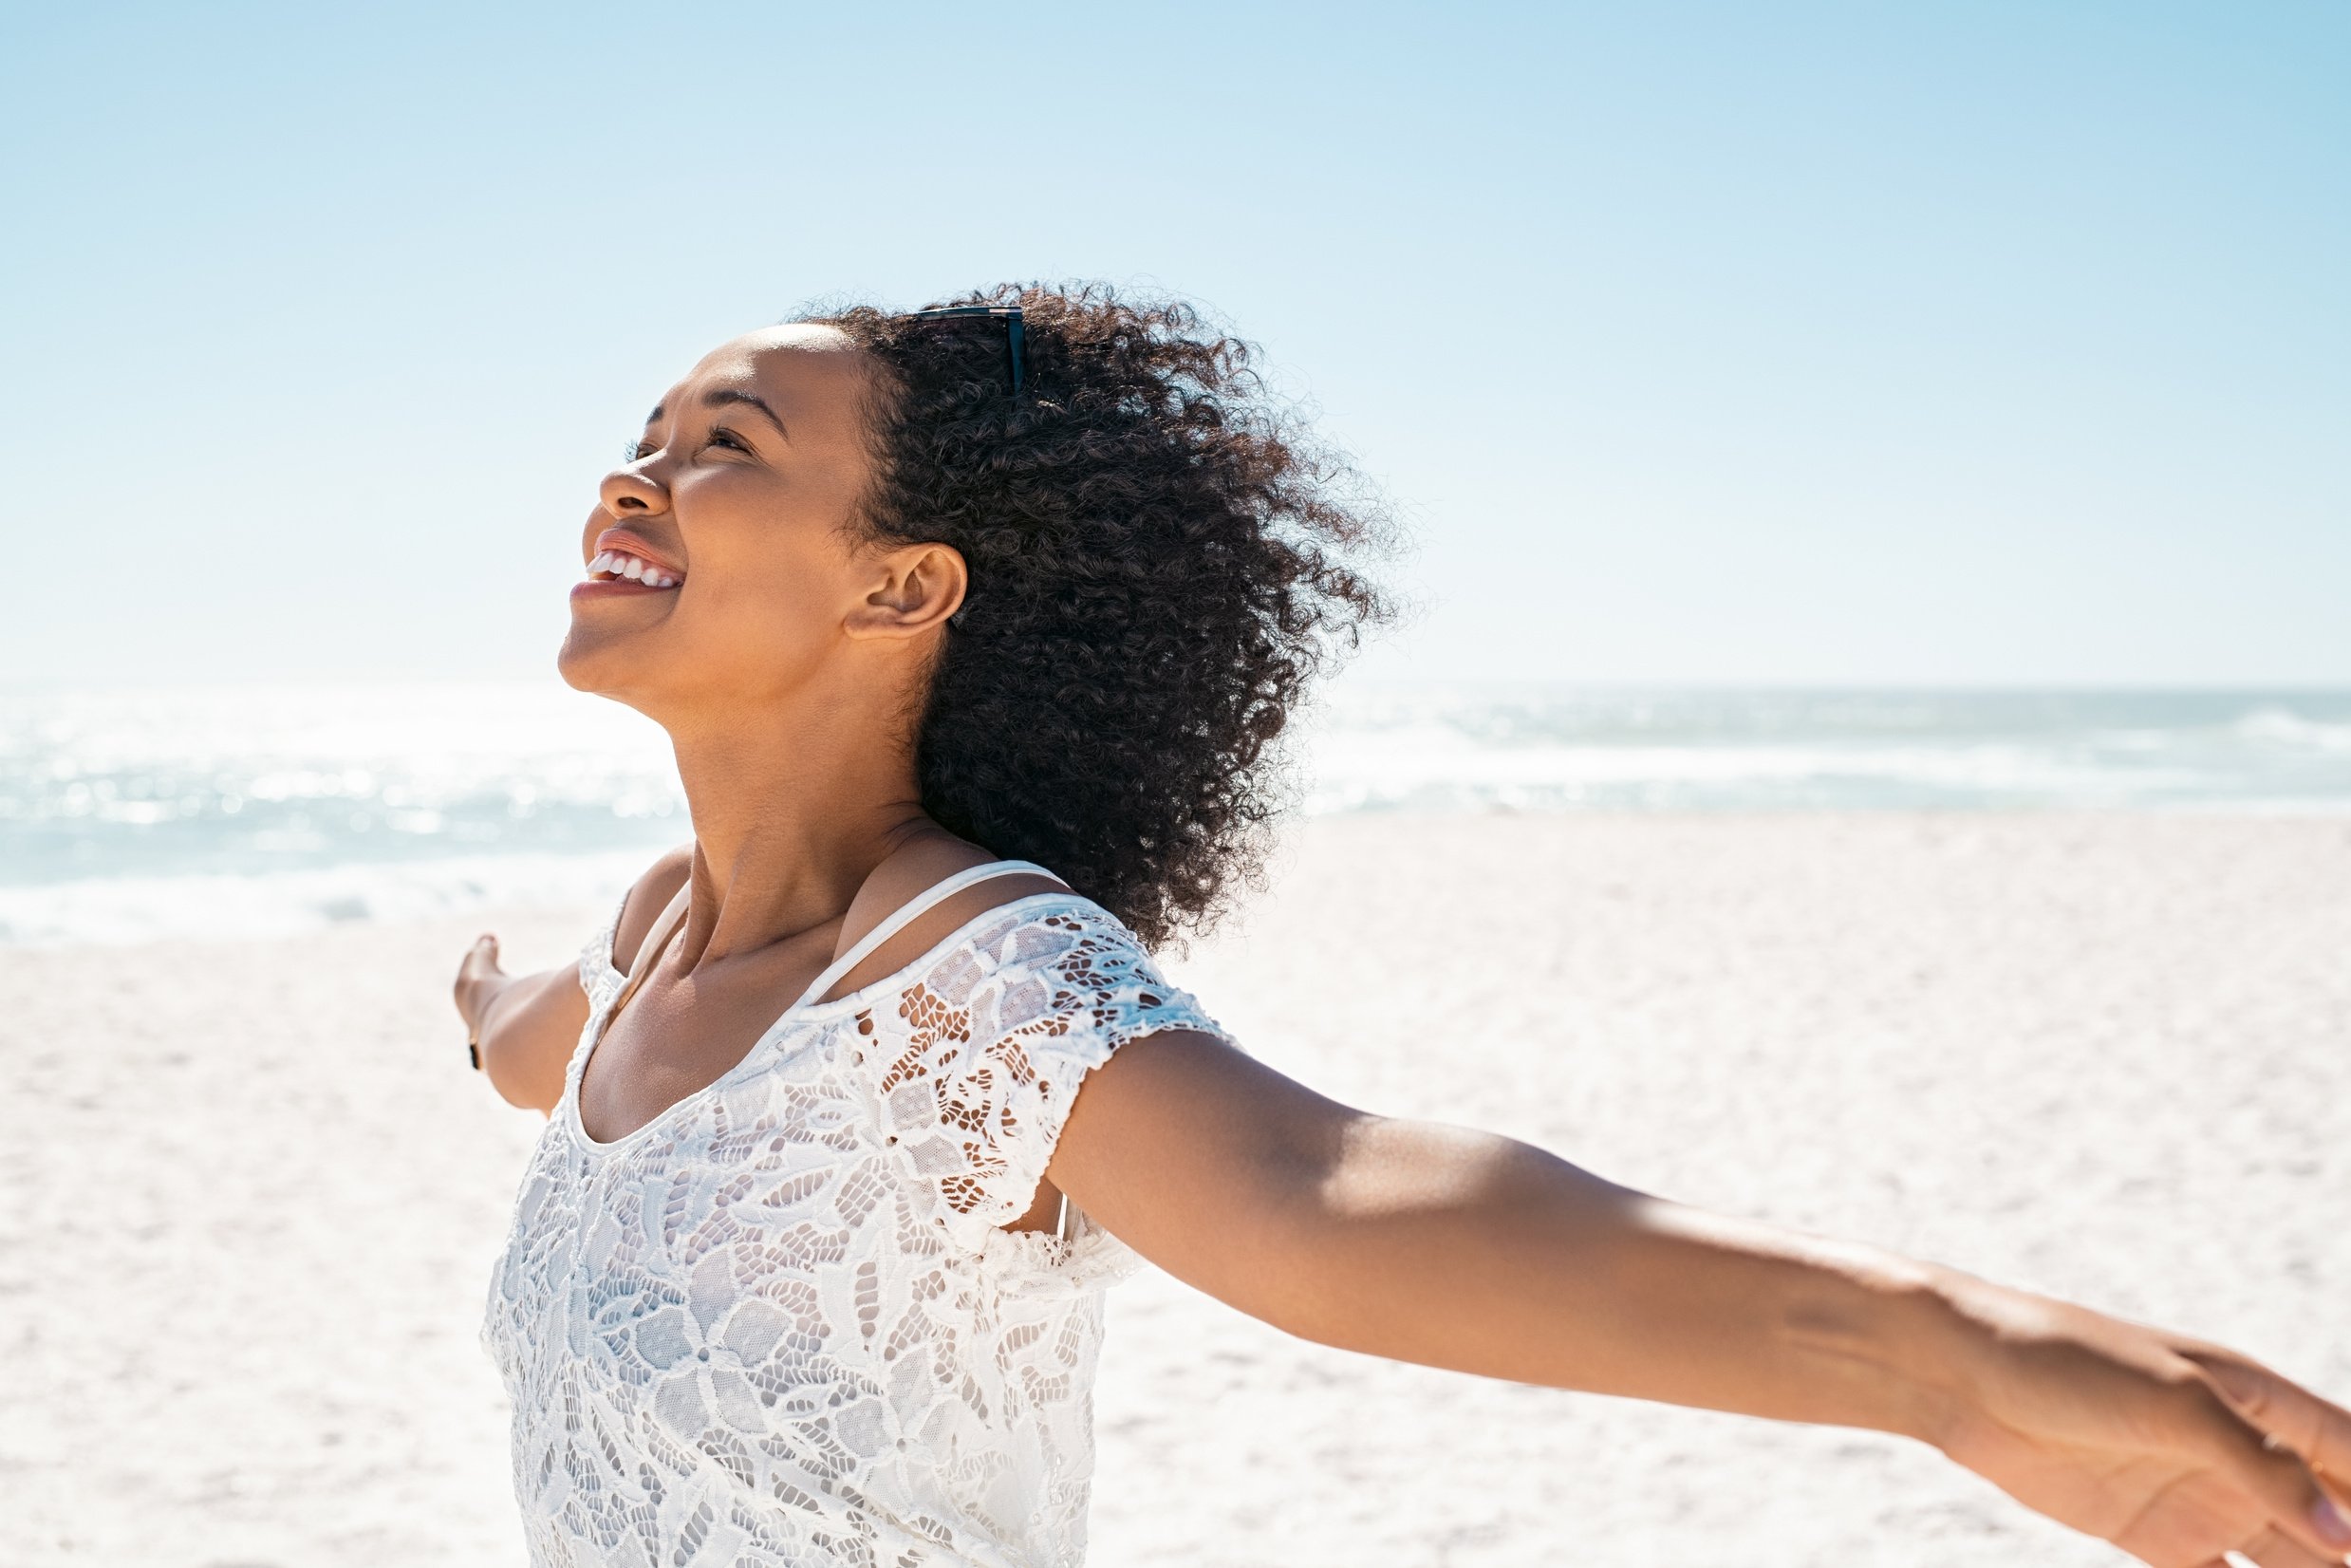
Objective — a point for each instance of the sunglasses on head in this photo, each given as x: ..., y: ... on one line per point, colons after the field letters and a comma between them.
x: 1011, y: 315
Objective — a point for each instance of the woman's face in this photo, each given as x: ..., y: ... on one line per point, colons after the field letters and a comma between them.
x: 723, y: 560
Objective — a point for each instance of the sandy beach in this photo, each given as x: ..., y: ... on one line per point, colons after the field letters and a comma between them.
x: 253, y: 1193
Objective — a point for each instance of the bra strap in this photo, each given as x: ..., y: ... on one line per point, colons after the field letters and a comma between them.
x: 912, y: 910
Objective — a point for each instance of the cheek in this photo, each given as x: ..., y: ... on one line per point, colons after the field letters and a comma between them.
x: 758, y: 612
x: 771, y: 568
x: 767, y: 615
x: 768, y: 580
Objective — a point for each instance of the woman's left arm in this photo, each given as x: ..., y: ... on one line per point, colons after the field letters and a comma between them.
x: 1468, y: 1250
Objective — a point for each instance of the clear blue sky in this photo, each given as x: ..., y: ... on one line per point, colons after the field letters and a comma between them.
x: 1864, y: 343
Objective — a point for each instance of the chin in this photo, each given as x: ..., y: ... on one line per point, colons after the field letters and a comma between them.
x: 609, y: 672
x: 577, y: 661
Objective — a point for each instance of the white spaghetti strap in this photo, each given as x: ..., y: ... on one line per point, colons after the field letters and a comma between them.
x: 910, y: 911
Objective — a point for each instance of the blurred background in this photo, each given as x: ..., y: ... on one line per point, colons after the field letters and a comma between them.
x: 1870, y: 446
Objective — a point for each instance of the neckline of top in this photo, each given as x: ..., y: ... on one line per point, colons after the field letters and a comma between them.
x: 799, y: 1012
x: 887, y: 926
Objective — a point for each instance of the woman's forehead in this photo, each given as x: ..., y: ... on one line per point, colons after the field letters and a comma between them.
x: 804, y: 364
x: 793, y: 341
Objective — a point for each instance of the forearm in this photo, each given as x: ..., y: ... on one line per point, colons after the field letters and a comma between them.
x: 523, y: 1028
x: 1469, y: 1251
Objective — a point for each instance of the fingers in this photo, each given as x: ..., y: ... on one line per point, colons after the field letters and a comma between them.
x: 2300, y: 1512
x: 2317, y: 1429
x: 481, y: 957
x: 2271, y: 1550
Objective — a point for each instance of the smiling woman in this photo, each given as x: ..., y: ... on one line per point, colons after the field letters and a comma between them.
x: 973, y: 672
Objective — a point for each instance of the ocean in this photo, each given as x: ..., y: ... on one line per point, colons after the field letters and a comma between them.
x: 131, y: 815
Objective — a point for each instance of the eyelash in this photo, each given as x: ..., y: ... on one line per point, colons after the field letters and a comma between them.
x: 637, y: 452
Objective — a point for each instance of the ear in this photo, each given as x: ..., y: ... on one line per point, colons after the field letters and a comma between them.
x: 913, y: 589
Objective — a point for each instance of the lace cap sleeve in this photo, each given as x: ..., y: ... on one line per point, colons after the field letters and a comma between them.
x: 976, y: 1071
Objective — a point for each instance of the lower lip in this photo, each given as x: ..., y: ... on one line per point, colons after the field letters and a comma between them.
x: 613, y: 587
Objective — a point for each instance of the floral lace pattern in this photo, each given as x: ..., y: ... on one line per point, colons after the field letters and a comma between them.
x: 779, y: 1324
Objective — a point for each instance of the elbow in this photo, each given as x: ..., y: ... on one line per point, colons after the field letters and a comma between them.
x: 513, y: 1093
x: 495, y: 1067
x: 524, y: 1090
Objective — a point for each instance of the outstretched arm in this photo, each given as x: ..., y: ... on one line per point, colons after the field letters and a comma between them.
x: 1466, y: 1250
x: 526, y: 1026
x: 523, y: 1025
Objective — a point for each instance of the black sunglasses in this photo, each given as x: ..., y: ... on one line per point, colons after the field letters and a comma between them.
x: 1010, y: 314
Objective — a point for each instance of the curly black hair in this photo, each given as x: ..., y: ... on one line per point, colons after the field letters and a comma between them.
x: 1162, y: 559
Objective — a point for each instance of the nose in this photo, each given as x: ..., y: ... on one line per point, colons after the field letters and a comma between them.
x: 628, y: 492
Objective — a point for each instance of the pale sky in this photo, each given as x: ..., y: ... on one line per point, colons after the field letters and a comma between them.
x: 1970, y: 344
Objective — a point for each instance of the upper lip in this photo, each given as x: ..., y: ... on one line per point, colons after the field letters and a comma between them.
x: 621, y: 541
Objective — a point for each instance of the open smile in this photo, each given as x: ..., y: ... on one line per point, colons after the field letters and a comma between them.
x: 614, y: 566
x: 618, y: 572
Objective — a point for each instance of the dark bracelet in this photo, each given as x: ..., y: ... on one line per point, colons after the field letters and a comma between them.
x: 473, y: 1050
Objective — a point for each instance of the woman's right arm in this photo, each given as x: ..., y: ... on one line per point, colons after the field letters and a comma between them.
x: 527, y: 1025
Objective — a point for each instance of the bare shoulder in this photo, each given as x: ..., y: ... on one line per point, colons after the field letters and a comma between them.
x: 647, y: 897
x: 919, y: 864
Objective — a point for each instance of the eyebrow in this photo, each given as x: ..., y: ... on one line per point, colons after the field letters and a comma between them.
x: 721, y: 396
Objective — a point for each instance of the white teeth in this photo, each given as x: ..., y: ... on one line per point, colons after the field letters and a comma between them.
x: 612, y: 564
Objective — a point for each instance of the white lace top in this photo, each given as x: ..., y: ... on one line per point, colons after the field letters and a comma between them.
x: 778, y: 1324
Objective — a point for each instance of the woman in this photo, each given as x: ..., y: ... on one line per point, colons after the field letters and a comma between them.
x: 971, y: 628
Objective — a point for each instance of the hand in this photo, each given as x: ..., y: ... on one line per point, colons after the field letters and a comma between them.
x: 2176, y: 1449
x: 479, y: 980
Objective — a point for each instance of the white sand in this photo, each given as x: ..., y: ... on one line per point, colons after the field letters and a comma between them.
x: 254, y: 1195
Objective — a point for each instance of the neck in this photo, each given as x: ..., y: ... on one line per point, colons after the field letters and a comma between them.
x: 794, y: 803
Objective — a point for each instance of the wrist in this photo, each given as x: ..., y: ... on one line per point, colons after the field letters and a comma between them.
x: 1946, y: 1343
x: 1888, y: 1338
x: 485, y: 998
